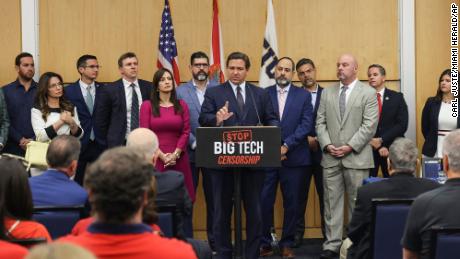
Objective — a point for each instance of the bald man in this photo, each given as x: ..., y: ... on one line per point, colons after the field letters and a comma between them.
x: 170, y: 184
x: 347, y: 120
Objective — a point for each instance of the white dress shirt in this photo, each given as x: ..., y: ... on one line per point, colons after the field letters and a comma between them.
x: 129, y: 97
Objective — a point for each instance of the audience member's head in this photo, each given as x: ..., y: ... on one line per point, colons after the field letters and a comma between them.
x: 402, y: 156
x: 145, y: 141
x: 63, y: 153
x: 118, y: 184
x: 15, y: 194
x: 59, y: 250
x: 451, y: 154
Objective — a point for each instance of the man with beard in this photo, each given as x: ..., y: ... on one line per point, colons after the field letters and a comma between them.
x: 19, y: 98
x: 192, y: 93
x: 306, y: 72
x: 294, y: 110
x: 346, y: 121
x: 85, y: 94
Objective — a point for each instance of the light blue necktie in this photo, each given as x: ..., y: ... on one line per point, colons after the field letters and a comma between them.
x: 90, y: 104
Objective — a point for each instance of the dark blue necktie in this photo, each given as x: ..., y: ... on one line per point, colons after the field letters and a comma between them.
x: 239, y: 98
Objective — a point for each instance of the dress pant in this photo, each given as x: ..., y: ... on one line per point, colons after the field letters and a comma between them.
x: 222, y: 187
x: 338, y: 180
x: 207, y: 189
x: 88, y: 155
x: 291, y: 181
x: 379, y: 162
x: 314, y: 171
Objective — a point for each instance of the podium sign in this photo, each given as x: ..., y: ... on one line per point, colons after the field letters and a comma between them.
x: 238, y: 147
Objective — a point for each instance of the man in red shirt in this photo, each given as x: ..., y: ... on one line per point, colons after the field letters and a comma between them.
x: 117, y: 184
x: 11, y: 251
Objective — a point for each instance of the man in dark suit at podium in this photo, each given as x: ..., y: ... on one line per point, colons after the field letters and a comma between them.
x: 237, y: 103
x: 393, y: 118
x: 85, y: 94
x: 118, y: 109
x: 293, y: 105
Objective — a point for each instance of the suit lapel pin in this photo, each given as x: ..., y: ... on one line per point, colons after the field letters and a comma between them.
x: 387, y: 98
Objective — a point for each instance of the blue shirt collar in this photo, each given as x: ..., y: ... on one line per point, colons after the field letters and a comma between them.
x: 111, y: 228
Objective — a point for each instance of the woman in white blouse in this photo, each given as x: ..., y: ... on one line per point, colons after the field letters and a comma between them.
x: 52, y: 114
x: 439, y: 117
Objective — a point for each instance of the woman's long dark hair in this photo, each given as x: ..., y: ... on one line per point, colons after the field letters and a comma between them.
x: 155, y: 94
x: 438, y: 96
x: 41, y: 99
x: 15, y: 195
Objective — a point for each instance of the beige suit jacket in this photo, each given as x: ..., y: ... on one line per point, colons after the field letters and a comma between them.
x: 356, y: 129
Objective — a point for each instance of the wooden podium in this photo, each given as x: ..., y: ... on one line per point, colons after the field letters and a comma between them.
x: 236, y: 148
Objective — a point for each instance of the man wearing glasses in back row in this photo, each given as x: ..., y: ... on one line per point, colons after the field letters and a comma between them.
x: 84, y: 94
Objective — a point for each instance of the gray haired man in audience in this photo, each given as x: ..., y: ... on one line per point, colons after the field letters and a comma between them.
x: 402, y: 184
x: 55, y: 186
x: 435, y: 208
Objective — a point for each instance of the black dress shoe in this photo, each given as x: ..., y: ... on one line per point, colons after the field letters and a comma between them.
x: 328, y: 254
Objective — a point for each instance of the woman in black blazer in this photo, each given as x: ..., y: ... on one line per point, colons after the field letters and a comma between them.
x: 438, y: 118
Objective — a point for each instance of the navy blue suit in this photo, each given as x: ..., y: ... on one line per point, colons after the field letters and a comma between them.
x: 54, y: 188
x: 296, y: 123
x: 187, y: 92
x: 90, y: 149
x: 222, y: 179
x: 111, y: 113
x: 314, y: 170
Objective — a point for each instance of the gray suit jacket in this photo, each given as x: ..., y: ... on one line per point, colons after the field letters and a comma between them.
x: 187, y: 93
x: 356, y: 129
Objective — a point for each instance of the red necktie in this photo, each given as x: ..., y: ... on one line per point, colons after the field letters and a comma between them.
x: 379, y: 101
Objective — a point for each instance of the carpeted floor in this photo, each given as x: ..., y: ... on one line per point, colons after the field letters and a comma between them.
x: 310, y: 249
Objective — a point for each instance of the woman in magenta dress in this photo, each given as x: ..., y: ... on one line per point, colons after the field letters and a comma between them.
x: 169, y: 118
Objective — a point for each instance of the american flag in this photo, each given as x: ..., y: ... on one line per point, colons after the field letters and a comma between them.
x: 167, y: 49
